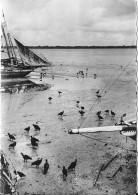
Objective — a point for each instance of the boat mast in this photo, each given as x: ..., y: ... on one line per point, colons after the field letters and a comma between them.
x: 7, y: 47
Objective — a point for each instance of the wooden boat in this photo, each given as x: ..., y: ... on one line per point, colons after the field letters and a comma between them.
x: 18, y: 61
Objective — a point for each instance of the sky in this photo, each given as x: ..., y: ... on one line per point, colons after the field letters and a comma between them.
x: 71, y: 22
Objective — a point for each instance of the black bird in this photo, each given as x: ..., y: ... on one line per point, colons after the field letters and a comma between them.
x: 100, y: 117
x: 50, y: 98
x: 106, y: 111
x: 37, y: 128
x: 46, y: 167
x: 34, y: 139
x: 59, y: 92
x: 82, y: 107
x: 97, y: 91
x: 112, y: 113
x: 12, y: 145
x: 65, y: 173
x: 11, y: 136
x: 81, y: 112
x: 98, y: 113
x: 26, y: 157
x: 124, y: 115
x: 34, y: 144
x: 27, y: 129
x: 19, y: 173
x: 77, y: 101
x: 37, y: 162
x: 61, y: 113
x: 99, y: 96
x: 72, y: 165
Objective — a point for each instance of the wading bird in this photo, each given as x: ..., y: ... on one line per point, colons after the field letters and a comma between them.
x: 37, y: 162
x: 11, y: 137
x: 26, y: 157
x: 46, y: 167
x: 12, y: 145
x: 72, y: 165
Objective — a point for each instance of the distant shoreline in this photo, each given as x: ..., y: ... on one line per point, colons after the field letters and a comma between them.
x: 82, y: 47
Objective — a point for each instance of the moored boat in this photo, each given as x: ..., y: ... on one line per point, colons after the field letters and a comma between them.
x: 18, y: 60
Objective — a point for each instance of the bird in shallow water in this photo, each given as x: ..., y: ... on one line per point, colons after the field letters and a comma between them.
x: 61, y: 113
x: 34, y: 139
x: 99, y: 96
x: 11, y: 137
x: 65, y: 173
x: 106, y: 111
x: 98, y: 113
x: 46, y: 167
x: 50, y: 98
x: 19, y: 173
x: 27, y: 129
x: 72, y: 165
x: 37, y: 128
x: 26, y: 157
x: 12, y: 145
x: 82, y: 107
x: 34, y: 144
x: 100, y: 117
x: 81, y: 112
x: 112, y: 113
x: 59, y: 92
x: 37, y: 162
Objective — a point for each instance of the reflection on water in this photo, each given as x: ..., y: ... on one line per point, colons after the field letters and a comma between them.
x: 21, y: 86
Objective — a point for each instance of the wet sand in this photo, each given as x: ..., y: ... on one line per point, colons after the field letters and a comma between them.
x: 22, y: 110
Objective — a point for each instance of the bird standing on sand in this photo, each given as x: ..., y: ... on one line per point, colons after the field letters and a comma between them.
x: 50, y: 98
x: 37, y: 162
x: 26, y: 157
x: 81, y: 112
x: 82, y: 107
x: 98, y: 113
x: 97, y: 92
x: 112, y: 113
x: 65, y: 173
x: 46, y: 167
x: 37, y: 128
x: 99, y: 96
x: 27, y: 129
x: 100, y: 117
x: 61, y: 113
x: 12, y: 145
x: 11, y: 137
x: 59, y: 92
x: 106, y: 111
x: 19, y: 173
x: 72, y: 165
x: 34, y: 144
x: 34, y: 139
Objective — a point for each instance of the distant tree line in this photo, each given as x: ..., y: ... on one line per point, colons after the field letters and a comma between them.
x: 80, y: 47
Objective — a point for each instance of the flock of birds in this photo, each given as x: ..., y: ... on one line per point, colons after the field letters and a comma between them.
x: 34, y: 142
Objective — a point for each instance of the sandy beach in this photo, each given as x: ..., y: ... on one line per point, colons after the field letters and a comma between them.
x: 60, y: 148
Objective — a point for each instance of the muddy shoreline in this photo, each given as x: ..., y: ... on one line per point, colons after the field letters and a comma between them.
x: 61, y: 148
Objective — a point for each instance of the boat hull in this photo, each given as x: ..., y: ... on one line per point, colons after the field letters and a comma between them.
x: 14, y: 74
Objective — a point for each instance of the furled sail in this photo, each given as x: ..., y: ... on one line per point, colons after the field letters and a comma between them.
x: 30, y: 57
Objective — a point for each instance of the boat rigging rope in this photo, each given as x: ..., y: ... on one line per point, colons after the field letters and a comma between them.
x: 105, y: 92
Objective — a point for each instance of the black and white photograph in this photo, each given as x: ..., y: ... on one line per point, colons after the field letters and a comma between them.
x: 68, y: 97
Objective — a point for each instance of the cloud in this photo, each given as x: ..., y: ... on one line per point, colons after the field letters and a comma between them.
x: 71, y: 22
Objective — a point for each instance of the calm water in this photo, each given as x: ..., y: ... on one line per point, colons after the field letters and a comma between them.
x: 90, y: 57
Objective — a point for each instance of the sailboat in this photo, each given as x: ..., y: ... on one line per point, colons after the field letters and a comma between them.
x: 18, y: 61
